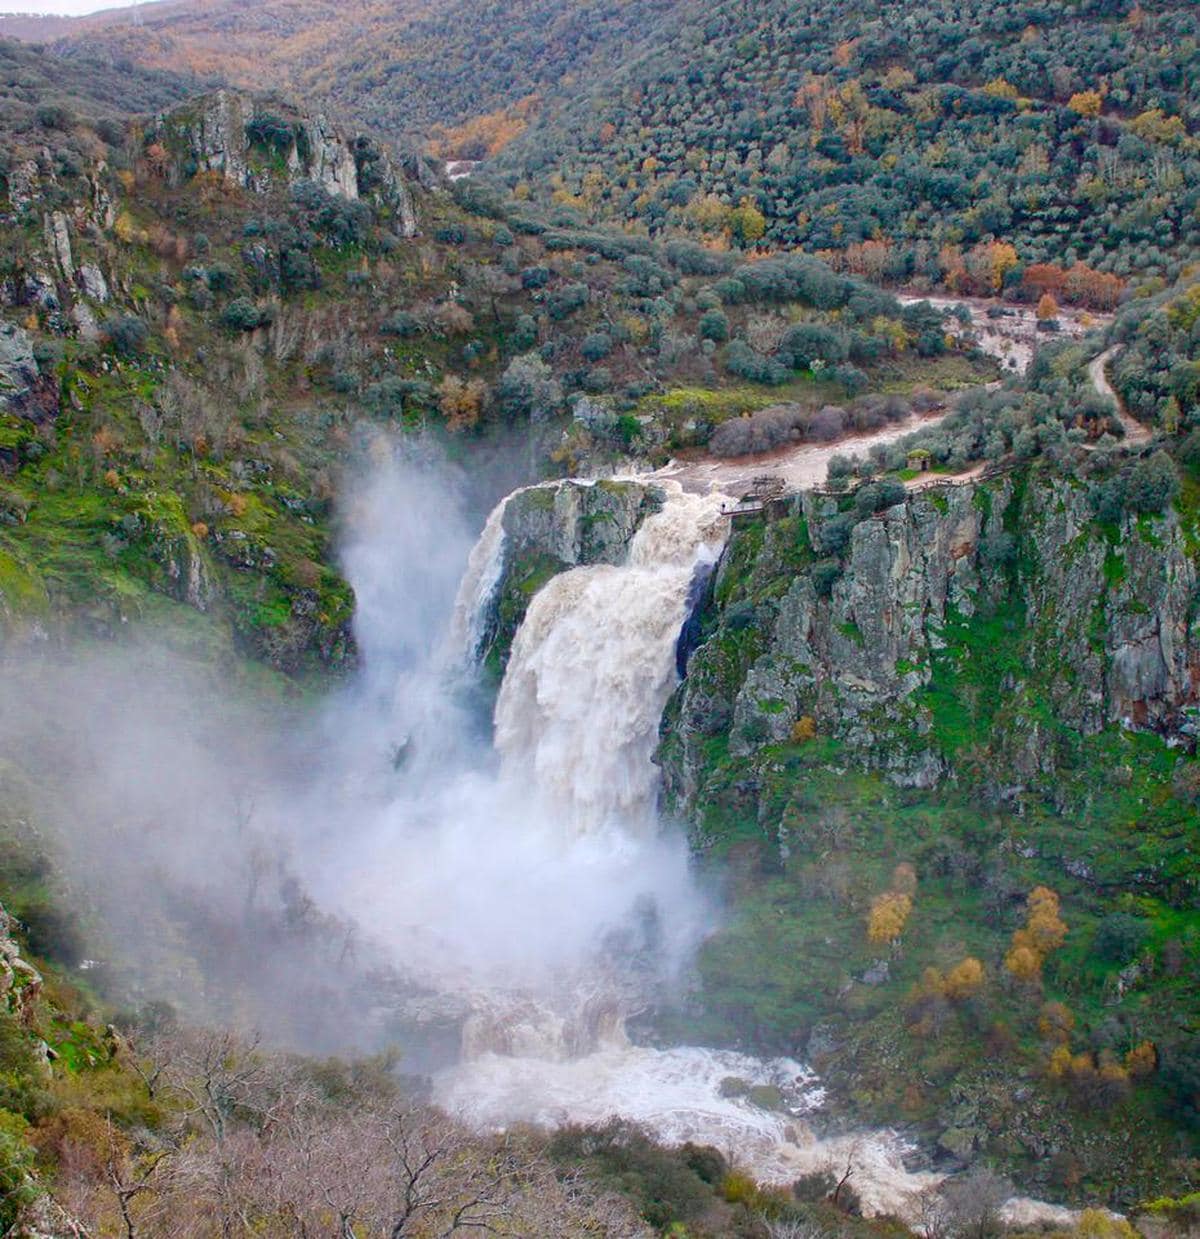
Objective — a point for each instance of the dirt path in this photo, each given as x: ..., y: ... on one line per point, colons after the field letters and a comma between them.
x: 807, y: 465
x: 1135, y: 433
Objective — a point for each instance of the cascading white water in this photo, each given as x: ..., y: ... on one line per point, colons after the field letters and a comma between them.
x: 593, y: 665
x: 590, y: 671
x: 478, y: 586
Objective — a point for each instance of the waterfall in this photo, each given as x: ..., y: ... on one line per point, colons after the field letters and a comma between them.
x: 478, y: 587
x: 527, y: 888
x: 593, y: 665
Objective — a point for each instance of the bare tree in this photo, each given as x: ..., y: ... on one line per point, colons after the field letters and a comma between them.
x: 964, y: 1206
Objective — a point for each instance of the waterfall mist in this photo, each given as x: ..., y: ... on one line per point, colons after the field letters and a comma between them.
x: 299, y: 873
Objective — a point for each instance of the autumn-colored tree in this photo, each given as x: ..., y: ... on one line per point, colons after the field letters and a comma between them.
x: 1142, y: 1060
x: 1100, y: 1224
x: 844, y: 52
x: 988, y: 264
x: 867, y: 258
x: 1024, y: 963
x: 1086, y: 103
x: 965, y: 979
x: 1154, y: 125
x: 953, y: 267
x: 1044, y: 278
x: 804, y: 729
x: 889, y: 914
x: 1098, y: 289
x: 1044, y: 926
x: 1055, y: 1022
x: 850, y: 109
x: 709, y: 213
x: 813, y: 98
x: 1047, y: 308
x: 461, y: 402
x: 157, y: 159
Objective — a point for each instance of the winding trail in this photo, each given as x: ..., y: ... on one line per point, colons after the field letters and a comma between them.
x: 1135, y: 433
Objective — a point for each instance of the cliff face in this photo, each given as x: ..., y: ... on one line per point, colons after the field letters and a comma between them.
x: 991, y: 615
x: 234, y: 135
x: 549, y: 529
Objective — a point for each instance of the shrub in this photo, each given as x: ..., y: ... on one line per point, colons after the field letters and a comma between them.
x: 525, y: 332
x: 852, y: 379
x: 806, y: 343
x: 1119, y: 937
x: 528, y: 388
x: 825, y: 574
x: 714, y: 326
x: 566, y: 300
x: 127, y: 334
x: 220, y: 277
x: 402, y: 324
x: 53, y: 933
x: 55, y: 116
x: 742, y: 360
x: 241, y: 314
x: 596, y: 345
x: 1153, y: 484
x: 832, y: 535
x: 535, y: 277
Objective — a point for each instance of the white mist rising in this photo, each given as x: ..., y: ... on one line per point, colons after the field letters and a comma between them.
x: 271, y: 867
x: 537, y: 869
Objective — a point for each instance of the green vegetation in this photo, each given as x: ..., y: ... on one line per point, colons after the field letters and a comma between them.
x: 1003, y: 954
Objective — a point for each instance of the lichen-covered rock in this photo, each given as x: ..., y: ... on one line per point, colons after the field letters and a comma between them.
x: 20, y: 981
x: 91, y: 282
x: 24, y: 390
x: 578, y: 522
x: 218, y: 134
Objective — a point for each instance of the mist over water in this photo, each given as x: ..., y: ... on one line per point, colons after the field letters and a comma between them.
x: 533, y: 867
x: 323, y: 878
x: 297, y: 871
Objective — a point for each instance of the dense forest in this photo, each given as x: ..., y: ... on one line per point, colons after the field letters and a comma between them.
x: 904, y: 146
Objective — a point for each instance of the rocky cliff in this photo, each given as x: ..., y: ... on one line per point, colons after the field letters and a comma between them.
x: 548, y: 529
x: 998, y: 614
x: 254, y: 144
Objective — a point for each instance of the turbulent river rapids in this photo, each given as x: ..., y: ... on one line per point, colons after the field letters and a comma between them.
x: 524, y: 873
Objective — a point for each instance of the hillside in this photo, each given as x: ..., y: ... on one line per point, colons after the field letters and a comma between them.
x: 329, y: 291
x: 399, y: 68
x: 955, y: 147
x: 929, y: 739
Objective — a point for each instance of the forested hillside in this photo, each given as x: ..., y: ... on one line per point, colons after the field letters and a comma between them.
x: 908, y: 144
x: 935, y: 747
x: 903, y: 141
x: 206, y: 308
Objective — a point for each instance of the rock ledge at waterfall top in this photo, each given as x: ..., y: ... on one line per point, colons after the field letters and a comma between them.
x: 551, y: 528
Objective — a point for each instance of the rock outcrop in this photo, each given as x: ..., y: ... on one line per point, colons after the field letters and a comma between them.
x: 248, y: 143
x: 1004, y: 598
x: 551, y: 528
x: 24, y: 390
x: 20, y: 981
